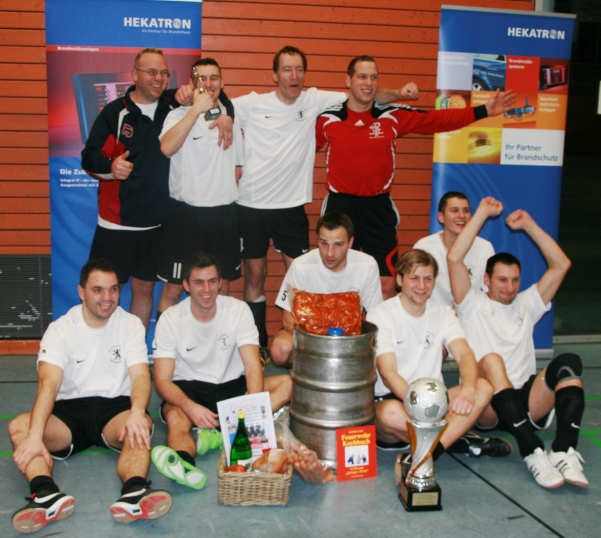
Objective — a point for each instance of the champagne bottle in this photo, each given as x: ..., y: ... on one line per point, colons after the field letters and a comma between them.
x: 241, y: 453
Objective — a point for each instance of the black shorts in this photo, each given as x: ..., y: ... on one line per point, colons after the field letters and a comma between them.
x: 289, y: 229
x: 189, y: 229
x: 86, y: 418
x: 208, y: 394
x: 376, y: 220
x: 135, y: 253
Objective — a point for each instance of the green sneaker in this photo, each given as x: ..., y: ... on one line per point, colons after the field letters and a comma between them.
x: 208, y: 440
x: 169, y: 464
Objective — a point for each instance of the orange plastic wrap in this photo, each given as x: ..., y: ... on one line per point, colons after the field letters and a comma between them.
x: 315, y: 313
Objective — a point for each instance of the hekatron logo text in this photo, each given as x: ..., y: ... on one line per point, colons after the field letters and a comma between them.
x: 151, y: 22
x: 539, y: 33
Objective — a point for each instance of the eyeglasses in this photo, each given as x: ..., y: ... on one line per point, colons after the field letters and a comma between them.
x: 154, y: 72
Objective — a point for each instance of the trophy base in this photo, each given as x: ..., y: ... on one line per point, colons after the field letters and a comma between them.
x: 413, y: 499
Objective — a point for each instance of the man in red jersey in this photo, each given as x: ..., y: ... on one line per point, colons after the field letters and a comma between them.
x: 361, y: 137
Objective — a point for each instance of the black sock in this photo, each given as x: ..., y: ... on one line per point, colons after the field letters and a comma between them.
x: 135, y: 483
x: 569, y: 406
x: 259, y: 312
x: 43, y: 485
x: 510, y: 410
x: 186, y: 457
x: 438, y: 451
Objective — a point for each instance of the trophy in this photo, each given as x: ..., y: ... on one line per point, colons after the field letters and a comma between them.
x: 426, y: 402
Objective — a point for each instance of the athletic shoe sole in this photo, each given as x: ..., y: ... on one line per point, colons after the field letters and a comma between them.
x: 151, y: 506
x: 33, y: 519
x: 169, y: 464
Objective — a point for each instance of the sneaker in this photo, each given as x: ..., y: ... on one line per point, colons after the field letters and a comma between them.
x: 545, y: 474
x: 475, y: 446
x: 146, y: 503
x: 264, y: 355
x: 569, y: 465
x: 40, y: 511
x: 208, y: 440
x: 399, y: 446
x: 168, y: 463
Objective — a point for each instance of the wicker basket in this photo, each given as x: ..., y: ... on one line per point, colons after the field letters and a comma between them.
x: 247, y: 489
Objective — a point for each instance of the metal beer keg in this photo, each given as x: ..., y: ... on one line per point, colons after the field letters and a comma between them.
x: 333, y: 387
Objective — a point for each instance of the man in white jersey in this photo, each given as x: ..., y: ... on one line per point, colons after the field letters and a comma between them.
x: 412, y: 331
x: 499, y: 325
x: 202, y: 186
x: 94, y: 386
x: 277, y: 175
x: 205, y: 350
x: 454, y: 213
x: 331, y: 268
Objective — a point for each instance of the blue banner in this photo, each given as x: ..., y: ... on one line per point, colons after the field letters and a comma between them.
x: 516, y: 157
x: 91, y: 46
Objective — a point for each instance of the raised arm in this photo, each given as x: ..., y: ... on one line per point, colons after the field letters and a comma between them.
x: 458, y: 273
x: 558, y: 262
x: 171, y: 393
x: 500, y: 102
x: 173, y: 139
x: 50, y: 378
x: 388, y: 95
x: 386, y: 364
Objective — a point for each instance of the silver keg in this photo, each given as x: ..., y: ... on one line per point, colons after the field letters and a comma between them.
x: 333, y: 387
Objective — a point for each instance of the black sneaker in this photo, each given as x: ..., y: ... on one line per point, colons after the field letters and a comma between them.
x: 40, y: 511
x: 399, y: 446
x: 146, y: 503
x: 475, y: 446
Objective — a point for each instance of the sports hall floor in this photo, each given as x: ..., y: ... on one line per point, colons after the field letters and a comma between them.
x: 480, y: 497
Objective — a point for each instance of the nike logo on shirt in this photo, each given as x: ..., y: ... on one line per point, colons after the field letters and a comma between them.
x: 196, y: 137
x: 191, y: 348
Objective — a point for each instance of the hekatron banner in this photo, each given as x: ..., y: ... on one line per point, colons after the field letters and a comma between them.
x: 90, y: 47
x: 516, y: 157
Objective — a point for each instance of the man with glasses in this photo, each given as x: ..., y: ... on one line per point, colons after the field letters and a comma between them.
x: 123, y: 153
x: 202, y: 186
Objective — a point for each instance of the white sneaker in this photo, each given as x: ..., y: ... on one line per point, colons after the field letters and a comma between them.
x: 570, y: 466
x: 545, y: 474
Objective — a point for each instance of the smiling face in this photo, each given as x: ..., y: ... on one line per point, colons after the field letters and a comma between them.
x: 504, y: 283
x: 455, y: 216
x: 203, y: 286
x: 416, y: 287
x: 362, y: 86
x: 209, y: 78
x: 290, y: 78
x: 99, y: 298
x: 333, y: 247
x: 149, y: 88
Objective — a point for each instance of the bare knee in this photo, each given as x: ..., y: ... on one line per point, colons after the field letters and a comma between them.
x: 281, y: 348
x: 492, y: 368
x: 484, y: 393
x: 18, y: 428
x: 171, y: 293
x: 141, y: 289
x: 390, y: 416
x: 388, y: 287
x: 176, y: 419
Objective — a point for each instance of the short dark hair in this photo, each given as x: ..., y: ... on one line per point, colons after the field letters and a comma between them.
x: 288, y: 50
x: 152, y: 50
x: 206, y: 61
x: 442, y: 204
x: 200, y: 260
x: 335, y: 219
x: 501, y: 257
x: 413, y: 257
x: 351, y: 66
x: 96, y: 264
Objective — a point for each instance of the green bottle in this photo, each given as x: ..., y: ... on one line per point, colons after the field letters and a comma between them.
x: 241, y: 453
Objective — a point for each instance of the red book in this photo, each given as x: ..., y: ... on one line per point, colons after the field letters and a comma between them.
x: 356, y: 453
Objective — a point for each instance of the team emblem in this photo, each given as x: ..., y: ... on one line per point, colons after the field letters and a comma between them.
x: 429, y: 340
x: 115, y: 353
x: 301, y: 114
x: 224, y: 342
x: 127, y: 131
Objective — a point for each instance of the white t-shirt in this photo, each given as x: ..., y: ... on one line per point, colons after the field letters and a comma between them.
x: 308, y: 273
x: 279, y: 147
x: 492, y: 327
x: 95, y: 361
x: 416, y: 342
x: 206, y: 351
x: 475, y: 261
x: 201, y: 174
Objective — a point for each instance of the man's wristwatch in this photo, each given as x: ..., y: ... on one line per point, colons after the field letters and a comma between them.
x: 212, y: 113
